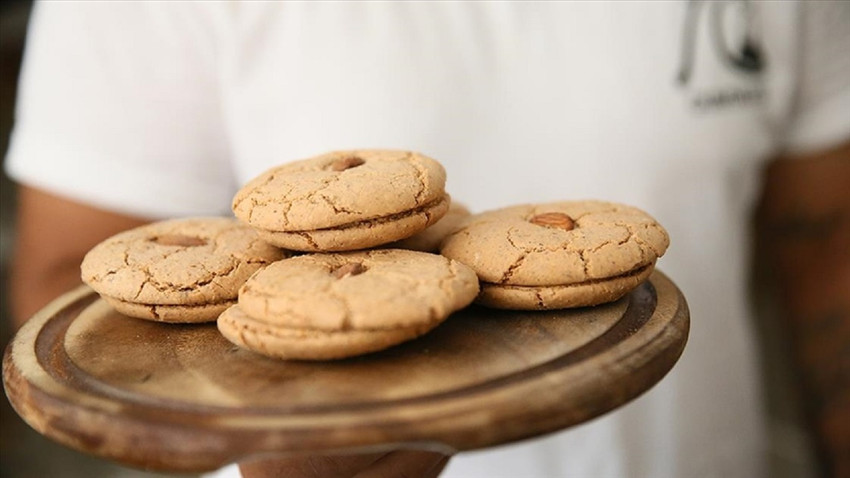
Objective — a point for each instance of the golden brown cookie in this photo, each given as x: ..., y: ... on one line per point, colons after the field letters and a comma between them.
x: 328, y: 306
x: 558, y: 255
x: 181, y: 270
x: 345, y: 200
x: 429, y: 240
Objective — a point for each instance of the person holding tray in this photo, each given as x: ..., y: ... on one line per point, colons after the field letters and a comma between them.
x: 135, y: 111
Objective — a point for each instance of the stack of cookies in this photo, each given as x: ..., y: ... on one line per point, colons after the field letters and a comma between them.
x: 342, y: 299
x: 352, y: 252
x: 181, y: 270
x: 558, y: 255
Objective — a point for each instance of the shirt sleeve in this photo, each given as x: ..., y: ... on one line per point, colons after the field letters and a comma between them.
x: 118, y: 107
x: 821, y: 114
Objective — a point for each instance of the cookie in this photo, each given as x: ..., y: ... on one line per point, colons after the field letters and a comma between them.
x: 429, y: 240
x: 558, y: 255
x: 345, y: 200
x: 330, y: 306
x: 181, y: 270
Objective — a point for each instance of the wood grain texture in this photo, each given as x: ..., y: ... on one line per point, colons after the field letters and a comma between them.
x: 181, y: 398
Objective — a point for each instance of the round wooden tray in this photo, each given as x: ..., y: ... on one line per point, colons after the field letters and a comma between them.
x: 181, y: 398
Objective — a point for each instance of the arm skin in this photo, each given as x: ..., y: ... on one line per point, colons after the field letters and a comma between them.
x: 52, y: 236
x: 804, y: 223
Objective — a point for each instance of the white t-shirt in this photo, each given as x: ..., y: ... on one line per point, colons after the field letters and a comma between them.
x: 163, y: 109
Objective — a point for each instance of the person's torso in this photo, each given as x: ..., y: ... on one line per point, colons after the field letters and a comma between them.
x: 666, y: 106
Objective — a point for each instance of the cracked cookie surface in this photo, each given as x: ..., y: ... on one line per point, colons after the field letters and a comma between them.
x: 557, y: 255
x: 181, y: 270
x: 344, y: 200
x: 323, y: 306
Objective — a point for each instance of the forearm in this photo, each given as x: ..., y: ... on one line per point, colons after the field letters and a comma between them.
x: 51, y: 237
x: 31, y: 288
x: 805, y: 223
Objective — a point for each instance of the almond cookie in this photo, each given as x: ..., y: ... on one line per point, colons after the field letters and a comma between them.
x: 558, y: 255
x: 345, y: 200
x: 329, y: 306
x: 181, y: 270
x: 429, y: 240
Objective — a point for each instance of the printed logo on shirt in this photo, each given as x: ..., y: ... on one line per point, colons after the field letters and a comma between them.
x: 732, y: 33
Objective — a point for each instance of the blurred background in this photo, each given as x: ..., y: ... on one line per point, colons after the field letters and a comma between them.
x: 25, y: 453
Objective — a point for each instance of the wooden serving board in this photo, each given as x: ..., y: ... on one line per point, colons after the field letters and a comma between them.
x: 181, y: 398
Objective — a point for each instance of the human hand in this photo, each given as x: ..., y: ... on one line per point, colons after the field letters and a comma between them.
x: 401, y: 463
